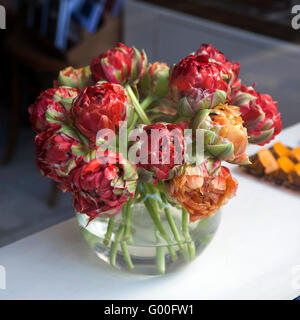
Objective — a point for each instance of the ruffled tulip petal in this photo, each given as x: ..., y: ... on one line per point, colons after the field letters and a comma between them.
x: 165, y: 153
x: 120, y: 65
x: 102, y: 106
x: 259, y: 113
x: 100, y: 188
x: 201, y: 192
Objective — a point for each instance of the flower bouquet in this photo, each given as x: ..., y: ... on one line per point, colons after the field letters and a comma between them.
x: 141, y: 146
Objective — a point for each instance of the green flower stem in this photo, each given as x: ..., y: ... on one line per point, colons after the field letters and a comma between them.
x: 192, y: 250
x: 118, y: 239
x: 147, y: 101
x: 126, y: 255
x: 155, y: 195
x: 186, y: 234
x: 135, y: 118
x: 128, y: 220
x: 124, y: 214
x: 185, y: 252
x: 144, y: 105
x: 83, y: 138
x: 174, y: 228
x: 187, y: 249
x: 160, y: 256
x: 178, y: 118
x: 160, y: 260
x: 152, y: 210
x: 182, y: 246
x: 141, y: 113
x: 109, y: 231
x: 114, y: 246
x: 161, y: 229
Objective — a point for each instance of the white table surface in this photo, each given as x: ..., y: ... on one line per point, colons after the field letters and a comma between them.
x: 254, y: 255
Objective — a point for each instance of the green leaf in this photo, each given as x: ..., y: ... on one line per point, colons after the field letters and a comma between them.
x: 263, y: 137
x: 67, y: 103
x: 129, y: 171
x: 71, y: 166
x: 54, y: 116
x: 69, y: 132
x: 78, y: 150
x: 184, y: 108
x: 221, y: 151
x: 131, y: 185
x: 219, y: 98
x: 243, y: 98
x: 200, y: 117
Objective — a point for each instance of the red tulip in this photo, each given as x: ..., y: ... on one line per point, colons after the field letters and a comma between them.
x: 50, y: 101
x: 119, y: 65
x: 259, y: 113
x: 75, y: 78
x: 192, y: 73
x: 165, y: 155
x: 98, y: 107
x: 103, y: 185
x: 208, y: 52
x: 54, y: 155
x: 155, y: 80
x: 268, y: 128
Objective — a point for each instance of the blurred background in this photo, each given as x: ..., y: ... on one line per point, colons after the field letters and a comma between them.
x: 40, y: 37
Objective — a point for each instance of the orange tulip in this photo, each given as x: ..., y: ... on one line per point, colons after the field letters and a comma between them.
x: 231, y: 128
x: 200, y: 192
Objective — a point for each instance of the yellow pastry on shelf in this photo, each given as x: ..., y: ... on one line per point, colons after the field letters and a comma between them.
x: 281, y: 150
x: 268, y: 161
x: 279, y: 165
x: 296, y: 153
x: 286, y: 164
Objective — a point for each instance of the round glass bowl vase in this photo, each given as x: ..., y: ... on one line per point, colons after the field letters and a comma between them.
x: 151, y: 247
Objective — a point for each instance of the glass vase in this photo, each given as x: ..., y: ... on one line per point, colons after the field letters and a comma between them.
x: 151, y: 247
